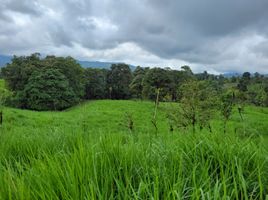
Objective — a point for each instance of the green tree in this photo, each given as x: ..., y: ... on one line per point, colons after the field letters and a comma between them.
x: 197, y: 105
x: 48, y: 90
x: 244, y: 82
x: 256, y: 94
x: 95, y: 83
x: 136, y: 86
x: 18, y: 73
x: 266, y: 91
x: 187, y: 72
x: 156, y: 79
x: 227, y: 104
x: 246, y: 76
x: 71, y: 70
x: 21, y: 68
x: 118, y: 81
x: 4, y: 95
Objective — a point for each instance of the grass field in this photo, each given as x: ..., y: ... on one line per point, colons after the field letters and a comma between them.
x: 2, y: 83
x: 87, y: 153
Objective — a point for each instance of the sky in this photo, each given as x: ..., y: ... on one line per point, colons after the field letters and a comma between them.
x: 216, y: 36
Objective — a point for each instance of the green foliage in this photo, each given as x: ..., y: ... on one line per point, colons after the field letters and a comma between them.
x: 244, y: 82
x: 118, y: 81
x: 48, y: 155
x: 71, y: 70
x: 21, y: 73
x: 187, y: 71
x: 121, y: 83
x: 227, y: 104
x: 197, y: 105
x: 4, y: 94
x: 136, y: 86
x: 95, y: 83
x: 128, y: 121
x: 156, y: 78
x: 48, y: 90
x: 253, y: 89
x: 256, y: 94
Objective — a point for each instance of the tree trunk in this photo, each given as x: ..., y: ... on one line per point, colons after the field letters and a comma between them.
x: 1, y: 117
x: 224, y: 126
x: 210, y: 129
x: 240, y: 113
x: 154, y: 120
x: 193, y: 123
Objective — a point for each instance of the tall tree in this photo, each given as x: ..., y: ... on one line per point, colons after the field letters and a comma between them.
x: 48, y: 89
x: 95, y: 83
x: 136, y: 86
x: 118, y: 81
x: 244, y: 82
x: 17, y: 73
x: 154, y: 80
x: 71, y: 70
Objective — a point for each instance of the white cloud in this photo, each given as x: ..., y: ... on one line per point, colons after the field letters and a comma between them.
x: 149, y: 33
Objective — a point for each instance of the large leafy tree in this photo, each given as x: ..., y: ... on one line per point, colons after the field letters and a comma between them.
x: 136, y: 85
x: 17, y: 73
x: 71, y: 70
x: 177, y: 78
x: 118, y: 81
x: 48, y: 89
x: 244, y: 82
x: 95, y: 83
x: 156, y: 79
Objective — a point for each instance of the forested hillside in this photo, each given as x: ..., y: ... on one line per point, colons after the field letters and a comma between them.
x: 56, y: 83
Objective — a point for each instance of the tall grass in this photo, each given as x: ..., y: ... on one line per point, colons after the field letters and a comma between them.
x: 118, y: 166
x: 54, y: 155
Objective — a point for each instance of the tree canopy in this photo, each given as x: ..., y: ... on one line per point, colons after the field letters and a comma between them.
x: 55, y: 83
x: 48, y: 89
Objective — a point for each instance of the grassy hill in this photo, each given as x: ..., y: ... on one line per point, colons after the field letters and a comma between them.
x: 108, y: 116
x: 88, y: 153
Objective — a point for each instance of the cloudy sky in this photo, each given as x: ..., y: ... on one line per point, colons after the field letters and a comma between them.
x: 217, y: 36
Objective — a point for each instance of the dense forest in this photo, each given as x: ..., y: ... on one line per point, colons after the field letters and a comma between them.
x: 56, y: 83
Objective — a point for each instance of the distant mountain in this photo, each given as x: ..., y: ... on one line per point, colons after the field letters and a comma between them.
x: 236, y: 74
x: 231, y: 74
x: 4, y: 60
x: 86, y: 64
x: 94, y: 64
x: 101, y: 65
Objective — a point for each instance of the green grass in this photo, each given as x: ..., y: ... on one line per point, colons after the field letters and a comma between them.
x: 2, y: 83
x: 86, y: 153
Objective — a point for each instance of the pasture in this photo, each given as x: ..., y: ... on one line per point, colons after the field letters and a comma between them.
x: 88, y: 152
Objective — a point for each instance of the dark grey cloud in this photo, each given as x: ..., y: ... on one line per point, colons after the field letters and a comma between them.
x: 25, y: 7
x: 215, y: 35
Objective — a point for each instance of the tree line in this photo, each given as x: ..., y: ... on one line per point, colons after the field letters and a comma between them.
x: 56, y: 83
